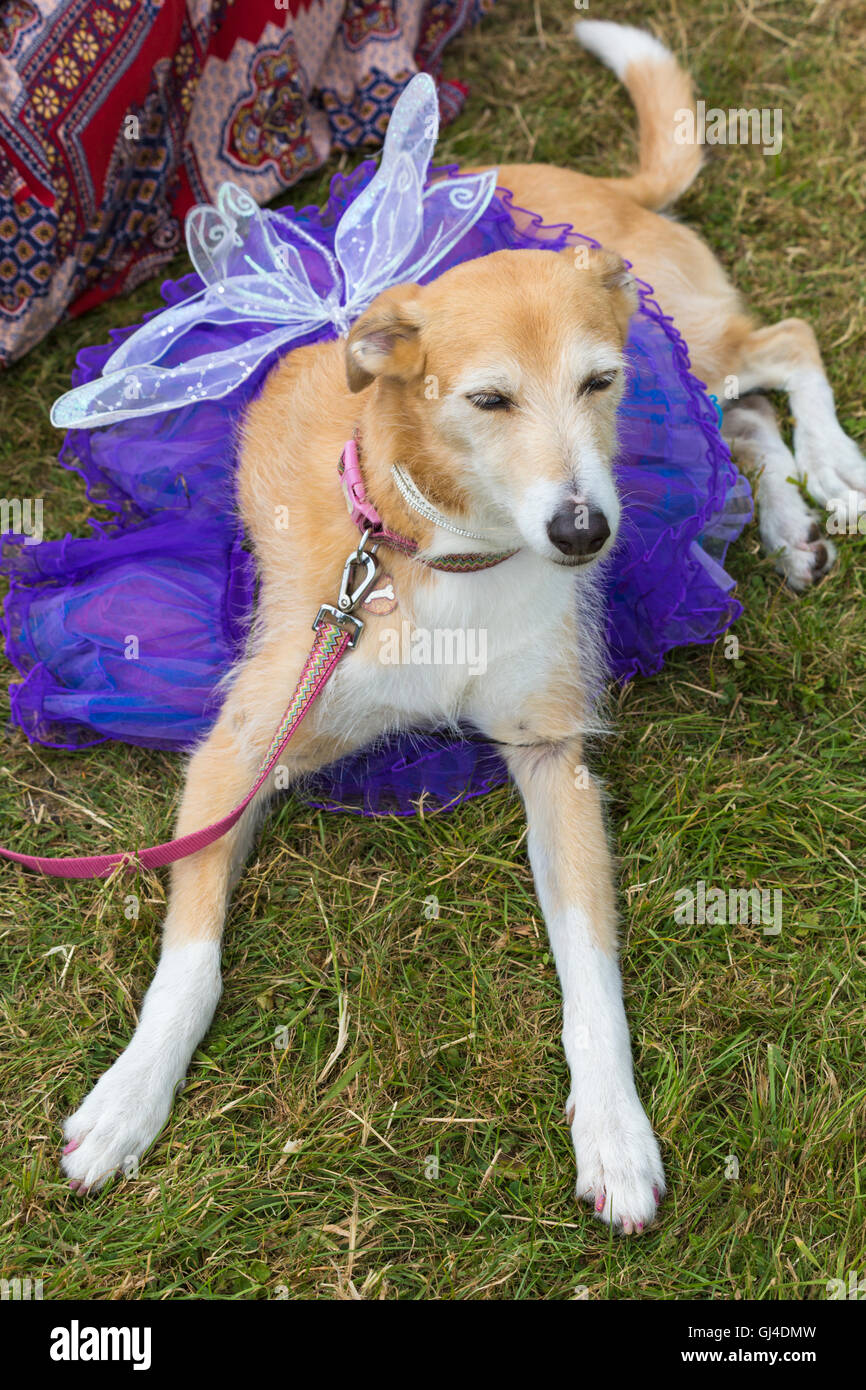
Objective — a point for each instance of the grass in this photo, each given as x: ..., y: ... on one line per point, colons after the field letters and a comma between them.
x: 266, y: 1184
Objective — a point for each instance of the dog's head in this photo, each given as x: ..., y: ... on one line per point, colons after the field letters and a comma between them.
x: 501, y: 380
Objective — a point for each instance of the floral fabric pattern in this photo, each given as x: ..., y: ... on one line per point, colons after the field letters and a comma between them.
x: 116, y: 117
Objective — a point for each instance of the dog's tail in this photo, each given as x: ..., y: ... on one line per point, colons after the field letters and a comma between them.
x: 662, y: 92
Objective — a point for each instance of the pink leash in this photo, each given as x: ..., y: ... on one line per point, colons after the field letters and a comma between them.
x: 337, y: 629
x: 327, y: 649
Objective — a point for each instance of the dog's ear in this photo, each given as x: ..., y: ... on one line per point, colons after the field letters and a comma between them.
x: 385, y: 340
x: 618, y: 280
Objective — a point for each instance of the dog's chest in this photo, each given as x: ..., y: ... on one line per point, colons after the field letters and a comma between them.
x: 461, y: 646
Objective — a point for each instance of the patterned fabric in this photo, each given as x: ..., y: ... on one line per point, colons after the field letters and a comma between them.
x: 116, y: 116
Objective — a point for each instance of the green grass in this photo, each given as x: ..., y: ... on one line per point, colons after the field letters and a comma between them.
x: 738, y: 773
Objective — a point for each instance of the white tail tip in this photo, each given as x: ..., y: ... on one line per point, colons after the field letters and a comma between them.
x: 619, y: 45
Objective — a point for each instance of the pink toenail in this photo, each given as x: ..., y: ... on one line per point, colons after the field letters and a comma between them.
x: 640, y: 1225
x: 599, y: 1202
x: 71, y: 1146
x: 656, y: 1193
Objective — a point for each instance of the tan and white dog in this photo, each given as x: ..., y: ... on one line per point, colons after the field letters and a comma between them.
x: 527, y: 354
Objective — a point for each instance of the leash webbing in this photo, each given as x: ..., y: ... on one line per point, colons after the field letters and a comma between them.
x: 326, y: 651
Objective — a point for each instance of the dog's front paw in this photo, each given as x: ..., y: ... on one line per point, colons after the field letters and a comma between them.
x: 619, y: 1167
x: 117, y: 1123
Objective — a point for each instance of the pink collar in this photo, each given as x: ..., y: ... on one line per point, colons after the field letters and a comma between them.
x: 361, y: 509
x: 367, y: 519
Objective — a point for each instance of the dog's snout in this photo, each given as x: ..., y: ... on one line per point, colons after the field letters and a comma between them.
x: 578, y: 531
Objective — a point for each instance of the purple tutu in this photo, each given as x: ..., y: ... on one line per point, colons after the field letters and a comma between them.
x: 127, y: 633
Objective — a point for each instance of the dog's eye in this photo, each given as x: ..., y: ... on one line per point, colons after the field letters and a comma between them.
x: 597, y: 383
x: 490, y: 400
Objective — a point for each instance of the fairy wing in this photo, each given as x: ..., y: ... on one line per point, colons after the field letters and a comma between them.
x: 393, y: 230
x: 258, y: 267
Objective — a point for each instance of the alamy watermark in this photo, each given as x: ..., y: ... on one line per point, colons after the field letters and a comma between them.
x: 438, y: 646
x: 21, y: 1290
x: 847, y: 515
x: 737, y: 126
x: 854, y: 1287
x: 742, y: 906
x: 77, y: 1343
x: 21, y: 516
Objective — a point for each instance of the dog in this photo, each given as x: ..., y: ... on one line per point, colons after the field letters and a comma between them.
x: 527, y: 357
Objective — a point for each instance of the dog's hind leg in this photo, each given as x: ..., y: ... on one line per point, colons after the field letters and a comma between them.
x: 786, y: 357
x: 788, y: 526
x: 127, y: 1108
x: 619, y: 1170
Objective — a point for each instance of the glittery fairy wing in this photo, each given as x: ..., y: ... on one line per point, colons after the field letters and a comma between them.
x: 254, y: 267
x: 150, y: 388
x: 259, y: 267
x: 450, y: 208
x: 394, y: 231
x: 252, y: 272
x: 236, y: 239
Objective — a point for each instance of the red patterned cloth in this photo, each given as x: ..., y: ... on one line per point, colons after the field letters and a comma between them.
x: 116, y: 116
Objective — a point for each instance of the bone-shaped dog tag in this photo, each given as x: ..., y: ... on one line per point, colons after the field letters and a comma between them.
x: 382, y: 599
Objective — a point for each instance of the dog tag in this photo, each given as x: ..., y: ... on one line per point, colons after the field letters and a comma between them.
x: 383, y: 598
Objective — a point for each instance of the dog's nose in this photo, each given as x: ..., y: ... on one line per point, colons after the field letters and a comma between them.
x: 578, y: 531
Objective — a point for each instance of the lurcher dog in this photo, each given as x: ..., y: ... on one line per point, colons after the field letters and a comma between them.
x: 528, y: 357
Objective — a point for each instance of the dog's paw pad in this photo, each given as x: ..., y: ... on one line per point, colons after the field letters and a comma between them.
x: 807, y: 561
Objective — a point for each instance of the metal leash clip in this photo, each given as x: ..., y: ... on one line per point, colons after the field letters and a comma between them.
x: 352, y: 590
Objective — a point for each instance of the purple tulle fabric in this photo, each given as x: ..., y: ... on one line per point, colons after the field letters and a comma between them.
x: 127, y: 633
